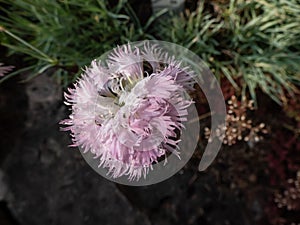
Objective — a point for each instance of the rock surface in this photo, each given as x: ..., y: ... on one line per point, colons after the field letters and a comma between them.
x: 46, y: 183
x: 50, y: 183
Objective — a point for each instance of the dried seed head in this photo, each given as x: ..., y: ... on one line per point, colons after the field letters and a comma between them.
x: 238, y: 127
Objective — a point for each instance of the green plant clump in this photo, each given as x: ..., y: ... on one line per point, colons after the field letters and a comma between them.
x: 252, y: 43
x: 65, y: 35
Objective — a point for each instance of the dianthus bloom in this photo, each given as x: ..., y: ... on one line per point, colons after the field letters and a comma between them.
x: 129, y: 110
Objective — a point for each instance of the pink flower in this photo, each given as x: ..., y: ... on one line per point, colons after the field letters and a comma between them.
x: 127, y: 116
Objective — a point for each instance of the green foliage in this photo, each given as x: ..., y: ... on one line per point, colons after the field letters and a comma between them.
x: 253, y: 43
x: 65, y: 35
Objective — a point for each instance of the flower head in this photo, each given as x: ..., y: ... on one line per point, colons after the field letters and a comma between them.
x: 129, y: 112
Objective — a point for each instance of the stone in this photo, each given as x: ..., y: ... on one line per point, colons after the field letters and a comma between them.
x: 50, y: 183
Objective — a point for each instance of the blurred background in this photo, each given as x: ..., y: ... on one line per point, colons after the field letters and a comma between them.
x: 252, y: 47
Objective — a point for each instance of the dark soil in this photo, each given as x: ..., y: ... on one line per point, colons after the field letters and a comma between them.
x: 45, y: 182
